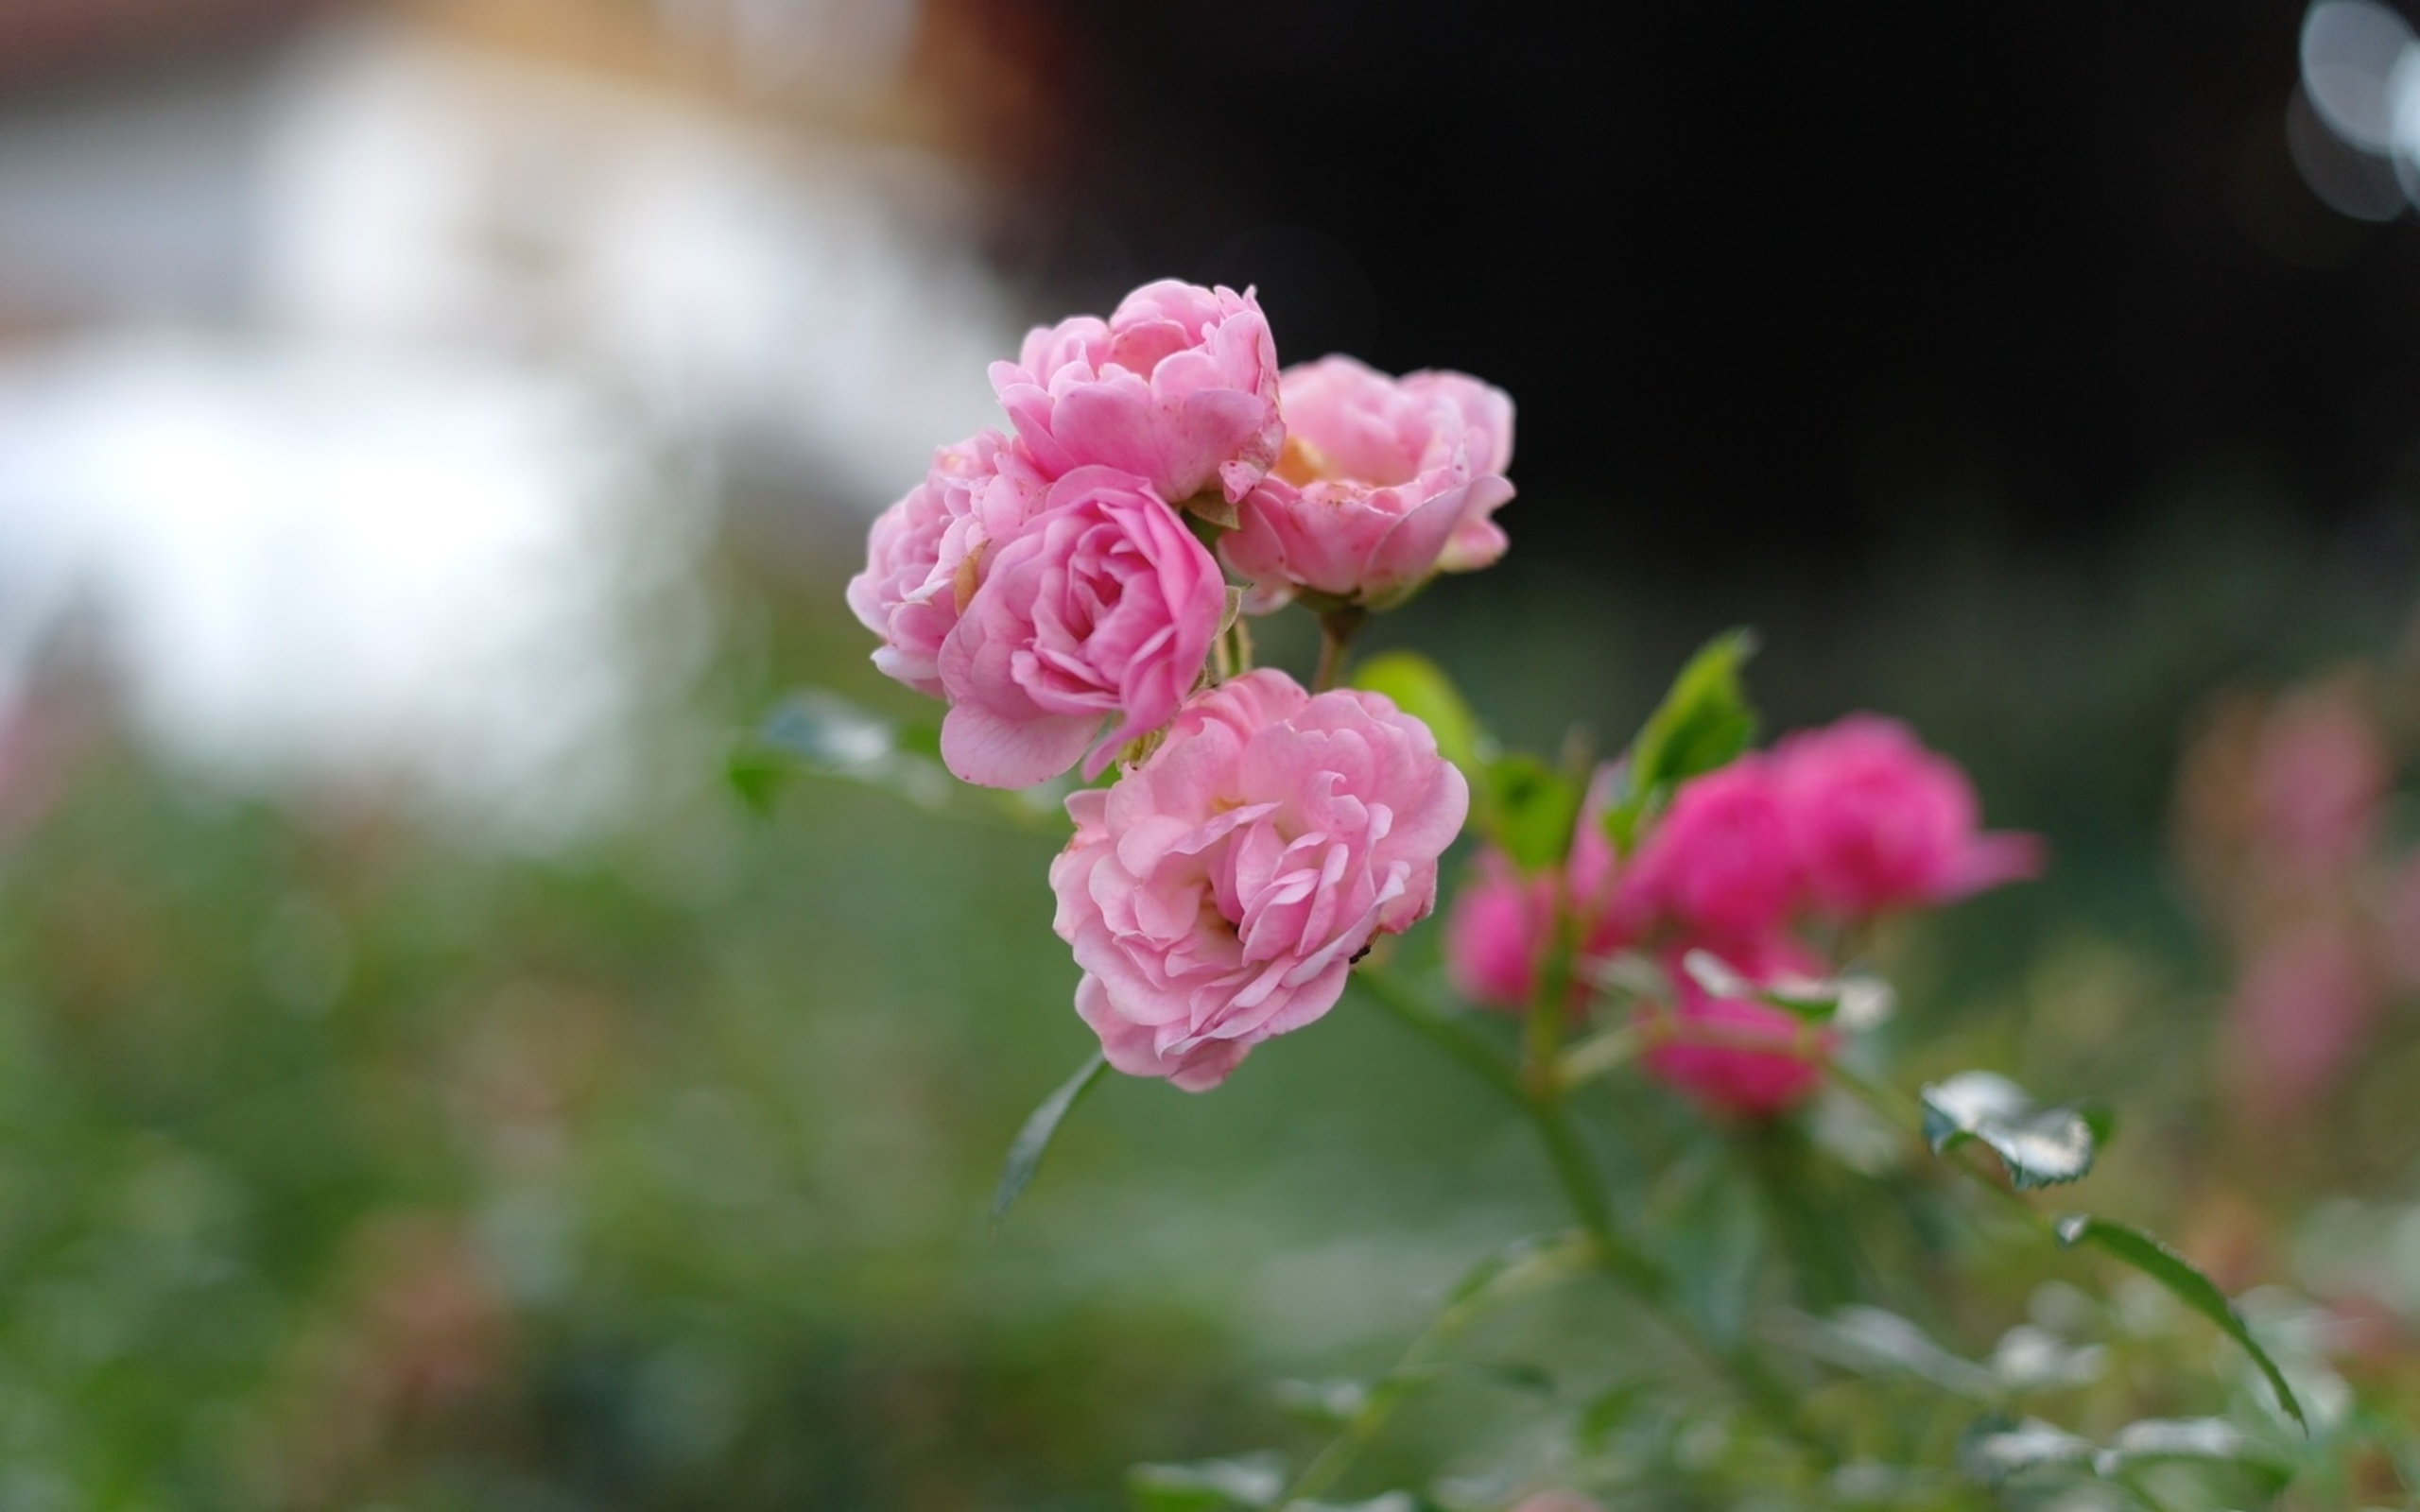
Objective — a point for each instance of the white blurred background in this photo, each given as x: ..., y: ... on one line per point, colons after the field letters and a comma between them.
x: 368, y: 374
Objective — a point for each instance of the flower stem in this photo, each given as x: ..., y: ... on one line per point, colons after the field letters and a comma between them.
x: 1337, y: 627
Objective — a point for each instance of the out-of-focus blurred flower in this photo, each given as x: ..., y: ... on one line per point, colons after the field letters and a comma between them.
x: 1103, y: 608
x: 1720, y: 863
x: 924, y: 554
x: 2319, y: 773
x: 1502, y: 923
x: 1219, y: 893
x: 1178, y: 386
x: 1383, y: 483
x: 1742, y: 1078
x: 1877, y: 822
x: 1558, y: 1501
x: 2303, y: 1005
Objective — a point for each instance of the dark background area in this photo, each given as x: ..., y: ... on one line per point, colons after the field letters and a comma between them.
x: 1773, y: 283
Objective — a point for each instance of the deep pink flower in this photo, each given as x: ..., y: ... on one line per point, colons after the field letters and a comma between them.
x: 924, y: 554
x: 1383, y: 483
x: 1220, y: 892
x: 1718, y: 862
x: 1733, y: 1078
x: 1103, y: 608
x: 1178, y: 386
x: 1877, y: 822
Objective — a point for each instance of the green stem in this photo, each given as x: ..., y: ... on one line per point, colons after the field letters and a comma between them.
x: 1336, y: 628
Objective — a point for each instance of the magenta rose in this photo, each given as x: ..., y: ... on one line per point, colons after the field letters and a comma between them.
x: 924, y: 554
x: 1220, y: 891
x: 1384, y: 482
x: 1178, y: 386
x: 1102, y: 609
x: 1743, y: 1077
x: 1718, y: 862
x: 1876, y: 822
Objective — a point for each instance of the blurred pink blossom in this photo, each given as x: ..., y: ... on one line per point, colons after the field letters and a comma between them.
x: 1178, y: 386
x: 1218, y: 893
x: 1730, y: 1079
x: 1103, y: 608
x: 1558, y: 1501
x: 1383, y: 483
x: 1877, y: 822
x: 1718, y: 862
x: 1501, y: 921
x: 2319, y: 773
x: 924, y: 554
x: 2302, y: 1008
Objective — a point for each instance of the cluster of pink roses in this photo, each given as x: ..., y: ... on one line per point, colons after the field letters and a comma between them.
x: 1839, y: 825
x: 1062, y: 587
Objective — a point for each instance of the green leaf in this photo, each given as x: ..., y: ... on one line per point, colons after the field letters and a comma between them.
x: 1858, y: 1001
x: 757, y: 776
x: 1024, y: 1152
x: 818, y: 729
x: 1420, y: 688
x: 1704, y: 722
x: 2041, y: 1147
x: 1873, y: 1342
x: 2182, y: 1281
x: 2154, y: 1439
x: 1207, y: 1486
x: 1528, y: 810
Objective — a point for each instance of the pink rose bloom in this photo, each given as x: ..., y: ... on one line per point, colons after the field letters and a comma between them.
x: 2319, y: 779
x: 1718, y: 862
x: 1220, y: 891
x: 1178, y: 386
x: 1559, y: 1502
x: 1103, y: 608
x: 1384, y: 482
x: 1877, y: 822
x: 924, y: 554
x: 1757, y: 1083
x: 2305, y: 1005
x: 1502, y: 923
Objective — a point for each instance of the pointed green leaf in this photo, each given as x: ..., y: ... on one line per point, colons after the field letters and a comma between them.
x: 1704, y: 722
x: 1026, y: 1151
x: 2154, y: 1439
x: 1420, y: 688
x: 2041, y: 1147
x: 2185, y: 1282
x: 1529, y: 809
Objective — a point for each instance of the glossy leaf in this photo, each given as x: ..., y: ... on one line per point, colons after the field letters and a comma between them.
x: 2185, y: 1282
x: 1871, y: 1341
x: 1251, y: 1481
x: 824, y: 733
x: 1420, y: 688
x: 1857, y: 1002
x: 2189, y: 1438
x: 1996, y: 1449
x: 2045, y: 1147
x: 1026, y: 1151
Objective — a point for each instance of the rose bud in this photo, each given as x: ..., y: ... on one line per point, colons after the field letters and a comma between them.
x: 1718, y: 862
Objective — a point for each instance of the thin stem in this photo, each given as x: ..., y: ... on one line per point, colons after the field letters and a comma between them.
x: 1337, y: 627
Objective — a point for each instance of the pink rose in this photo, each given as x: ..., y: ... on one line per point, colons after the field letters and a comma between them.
x: 2319, y: 779
x: 924, y: 554
x: 1718, y: 862
x: 1876, y: 821
x: 1220, y: 891
x: 1178, y: 386
x: 1384, y: 482
x: 1738, y: 1079
x: 1104, y: 607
